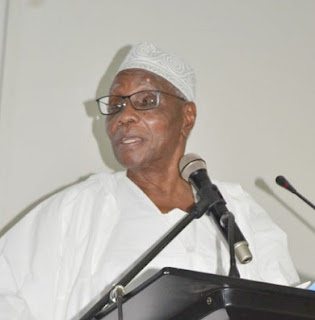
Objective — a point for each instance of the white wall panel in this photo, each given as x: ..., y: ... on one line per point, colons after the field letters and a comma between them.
x: 255, y: 68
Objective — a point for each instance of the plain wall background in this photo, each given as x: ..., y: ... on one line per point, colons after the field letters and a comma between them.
x: 254, y: 61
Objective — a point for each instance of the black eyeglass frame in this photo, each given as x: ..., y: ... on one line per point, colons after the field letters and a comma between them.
x: 129, y: 96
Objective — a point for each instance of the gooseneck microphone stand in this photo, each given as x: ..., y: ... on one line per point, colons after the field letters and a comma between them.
x: 116, y: 293
x: 228, y: 221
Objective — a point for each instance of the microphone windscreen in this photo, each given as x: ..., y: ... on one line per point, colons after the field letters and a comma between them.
x: 190, y: 163
x: 281, y: 181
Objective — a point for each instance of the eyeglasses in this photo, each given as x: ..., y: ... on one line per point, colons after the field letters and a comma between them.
x: 142, y: 100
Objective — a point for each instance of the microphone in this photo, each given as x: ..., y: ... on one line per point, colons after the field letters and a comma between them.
x: 193, y: 169
x: 283, y: 182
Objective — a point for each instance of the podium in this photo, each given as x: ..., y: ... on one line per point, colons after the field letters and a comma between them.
x: 176, y: 294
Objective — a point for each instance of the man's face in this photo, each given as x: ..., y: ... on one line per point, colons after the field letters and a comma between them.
x: 150, y: 138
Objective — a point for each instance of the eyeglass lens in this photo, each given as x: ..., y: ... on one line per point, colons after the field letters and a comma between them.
x: 140, y: 100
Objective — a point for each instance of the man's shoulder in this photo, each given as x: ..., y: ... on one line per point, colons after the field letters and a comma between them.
x: 81, y: 193
x: 77, y: 197
x: 94, y: 184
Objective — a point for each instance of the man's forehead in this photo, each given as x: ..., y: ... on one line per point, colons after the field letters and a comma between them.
x: 139, y: 77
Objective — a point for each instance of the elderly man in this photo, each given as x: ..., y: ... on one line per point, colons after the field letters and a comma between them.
x: 73, y: 246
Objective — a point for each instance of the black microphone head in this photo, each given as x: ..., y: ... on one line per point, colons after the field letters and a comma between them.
x: 283, y: 182
x: 190, y: 163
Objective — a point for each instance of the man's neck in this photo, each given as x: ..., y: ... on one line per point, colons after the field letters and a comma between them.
x: 167, y: 191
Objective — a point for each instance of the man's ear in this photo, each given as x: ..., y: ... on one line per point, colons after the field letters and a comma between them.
x: 189, y: 117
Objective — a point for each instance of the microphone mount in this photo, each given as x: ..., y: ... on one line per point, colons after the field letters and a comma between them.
x: 193, y: 170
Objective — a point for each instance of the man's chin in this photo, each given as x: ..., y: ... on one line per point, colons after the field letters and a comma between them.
x: 131, y: 164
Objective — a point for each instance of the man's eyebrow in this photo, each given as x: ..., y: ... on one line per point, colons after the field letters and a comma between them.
x: 142, y: 83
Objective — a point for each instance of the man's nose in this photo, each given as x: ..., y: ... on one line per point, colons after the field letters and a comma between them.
x: 128, y: 113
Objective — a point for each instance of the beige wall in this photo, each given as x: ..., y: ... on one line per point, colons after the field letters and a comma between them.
x: 255, y: 67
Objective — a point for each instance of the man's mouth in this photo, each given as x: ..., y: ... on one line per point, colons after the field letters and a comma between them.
x: 130, y: 140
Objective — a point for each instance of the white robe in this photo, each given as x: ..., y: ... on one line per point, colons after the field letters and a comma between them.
x: 64, y: 253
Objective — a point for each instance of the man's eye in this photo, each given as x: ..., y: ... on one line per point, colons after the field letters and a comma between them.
x: 149, y: 100
x: 116, y: 105
x: 146, y: 101
x: 112, y: 108
x: 114, y: 101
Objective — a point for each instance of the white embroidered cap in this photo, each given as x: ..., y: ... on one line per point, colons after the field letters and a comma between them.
x: 148, y: 57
